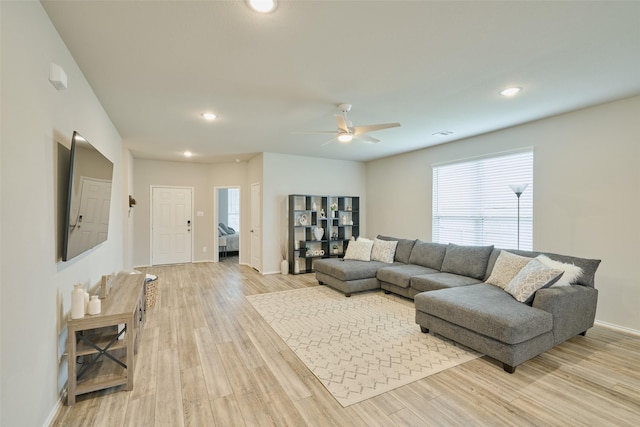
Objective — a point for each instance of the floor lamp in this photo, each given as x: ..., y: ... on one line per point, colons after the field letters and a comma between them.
x: 519, y: 189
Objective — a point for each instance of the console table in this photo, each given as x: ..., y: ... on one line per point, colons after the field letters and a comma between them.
x: 101, y: 347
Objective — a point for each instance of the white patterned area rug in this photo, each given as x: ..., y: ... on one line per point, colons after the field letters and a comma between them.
x: 358, y: 347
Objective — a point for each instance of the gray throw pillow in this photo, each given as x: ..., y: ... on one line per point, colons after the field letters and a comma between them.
x: 470, y: 261
x: 428, y: 254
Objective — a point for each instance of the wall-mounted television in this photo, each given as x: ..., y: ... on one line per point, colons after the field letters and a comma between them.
x: 89, y: 198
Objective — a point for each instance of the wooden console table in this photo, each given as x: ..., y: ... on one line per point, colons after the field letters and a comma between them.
x: 100, y: 353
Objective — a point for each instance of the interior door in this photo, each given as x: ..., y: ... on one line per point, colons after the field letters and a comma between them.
x: 256, y: 234
x: 171, y: 225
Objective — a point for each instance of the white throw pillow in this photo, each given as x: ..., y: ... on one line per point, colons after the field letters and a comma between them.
x: 359, y: 250
x: 571, y: 271
x: 383, y: 250
x: 531, y: 278
x: 506, y: 267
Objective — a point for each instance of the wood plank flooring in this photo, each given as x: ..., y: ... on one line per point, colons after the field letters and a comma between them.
x: 206, y: 358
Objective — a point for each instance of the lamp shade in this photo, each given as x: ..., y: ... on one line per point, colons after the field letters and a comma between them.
x: 518, y: 188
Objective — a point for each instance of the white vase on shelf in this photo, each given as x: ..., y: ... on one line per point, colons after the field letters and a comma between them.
x: 94, y: 305
x: 318, y: 232
x: 296, y: 267
x: 284, y: 267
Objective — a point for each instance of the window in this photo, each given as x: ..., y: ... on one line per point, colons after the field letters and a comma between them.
x: 473, y: 203
x: 233, y: 209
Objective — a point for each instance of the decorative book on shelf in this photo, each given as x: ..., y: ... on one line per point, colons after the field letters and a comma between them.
x: 320, y: 227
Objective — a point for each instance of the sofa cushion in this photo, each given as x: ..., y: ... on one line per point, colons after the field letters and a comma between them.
x: 466, y: 260
x: 400, y: 275
x: 428, y: 254
x: 359, y: 250
x: 432, y: 282
x: 487, y: 310
x: 571, y: 271
x: 384, y: 250
x: 506, y: 267
x: 403, y: 250
x: 533, y: 276
x: 348, y: 269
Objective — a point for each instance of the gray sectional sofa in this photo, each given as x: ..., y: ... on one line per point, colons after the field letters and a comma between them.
x: 447, y: 283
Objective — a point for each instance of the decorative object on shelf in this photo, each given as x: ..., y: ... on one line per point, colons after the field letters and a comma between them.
x: 518, y: 189
x: 296, y: 267
x: 322, y: 214
x: 344, y: 219
x: 94, y: 305
x: 86, y: 302
x: 284, y: 265
x: 318, y: 232
x: 314, y: 206
x: 77, y: 302
x: 334, y: 209
x: 335, y: 249
x: 303, y: 219
x: 351, y: 222
x: 349, y: 208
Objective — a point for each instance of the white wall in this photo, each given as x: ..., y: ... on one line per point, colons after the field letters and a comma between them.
x: 128, y: 214
x: 286, y: 174
x: 35, y: 285
x: 203, y: 178
x: 586, y: 201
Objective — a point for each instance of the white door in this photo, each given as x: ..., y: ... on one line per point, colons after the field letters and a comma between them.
x: 171, y: 225
x: 256, y: 235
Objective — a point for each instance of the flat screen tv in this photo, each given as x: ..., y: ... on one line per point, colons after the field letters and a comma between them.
x: 89, y: 199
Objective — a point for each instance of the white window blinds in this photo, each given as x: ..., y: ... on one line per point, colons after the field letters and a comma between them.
x: 473, y: 203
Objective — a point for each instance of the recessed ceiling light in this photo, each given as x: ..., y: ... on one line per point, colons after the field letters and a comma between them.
x: 208, y: 116
x: 263, y: 6
x: 510, y: 91
x: 188, y: 153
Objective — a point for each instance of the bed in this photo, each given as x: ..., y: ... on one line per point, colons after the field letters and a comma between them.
x: 228, y: 239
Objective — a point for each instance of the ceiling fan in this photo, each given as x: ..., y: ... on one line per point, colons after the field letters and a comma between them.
x: 346, y: 132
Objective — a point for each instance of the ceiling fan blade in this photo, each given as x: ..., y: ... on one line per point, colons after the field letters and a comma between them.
x: 357, y: 130
x: 367, y: 138
x: 329, y: 141
x: 342, y: 123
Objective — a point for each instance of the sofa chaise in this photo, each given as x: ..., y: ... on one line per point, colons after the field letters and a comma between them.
x: 462, y: 293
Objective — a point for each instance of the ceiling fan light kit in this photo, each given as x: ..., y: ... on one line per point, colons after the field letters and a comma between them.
x: 347, y: 132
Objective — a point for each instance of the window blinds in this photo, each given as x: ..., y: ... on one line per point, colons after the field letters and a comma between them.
x: 473, y: 203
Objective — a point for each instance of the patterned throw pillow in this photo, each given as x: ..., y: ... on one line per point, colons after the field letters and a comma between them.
x: 383, y: 250
x: 506, y: 267
x: 571, y: 271
x: 531, y: 278
x: 359, y: 250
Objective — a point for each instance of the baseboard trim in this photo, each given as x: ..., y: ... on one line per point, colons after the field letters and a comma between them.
x: 54, y: 412
x: 204, y: 260
x: 617, y: 327
x: 267, y: 273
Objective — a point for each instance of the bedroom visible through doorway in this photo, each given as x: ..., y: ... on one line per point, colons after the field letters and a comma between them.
x: 227, y: 201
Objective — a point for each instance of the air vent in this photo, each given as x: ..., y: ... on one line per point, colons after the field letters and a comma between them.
x: 443, y: 133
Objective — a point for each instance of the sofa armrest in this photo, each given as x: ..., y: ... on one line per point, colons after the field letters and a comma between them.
x: 573, y: 309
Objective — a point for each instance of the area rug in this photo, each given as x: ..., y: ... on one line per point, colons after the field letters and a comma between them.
x: 358, y: 347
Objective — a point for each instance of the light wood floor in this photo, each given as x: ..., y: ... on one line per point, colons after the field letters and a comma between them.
x: 208, y: 359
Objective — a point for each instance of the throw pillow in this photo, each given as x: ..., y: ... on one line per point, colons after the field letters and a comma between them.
x: 383, y: 250
x: 470, y: 261
x: 533, y: 276
x: 359, y: 250
x: 571, y: 271
x: 224, y: 227
x: 221, y: 231
x: 506, y: 267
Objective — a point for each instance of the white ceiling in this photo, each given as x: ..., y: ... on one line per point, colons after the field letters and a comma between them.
x: 432, y: 66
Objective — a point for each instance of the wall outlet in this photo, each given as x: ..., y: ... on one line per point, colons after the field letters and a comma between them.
x: 204, y: 249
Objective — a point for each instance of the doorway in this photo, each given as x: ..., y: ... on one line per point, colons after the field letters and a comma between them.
x: 227, y: 223
x: 171, y: 225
